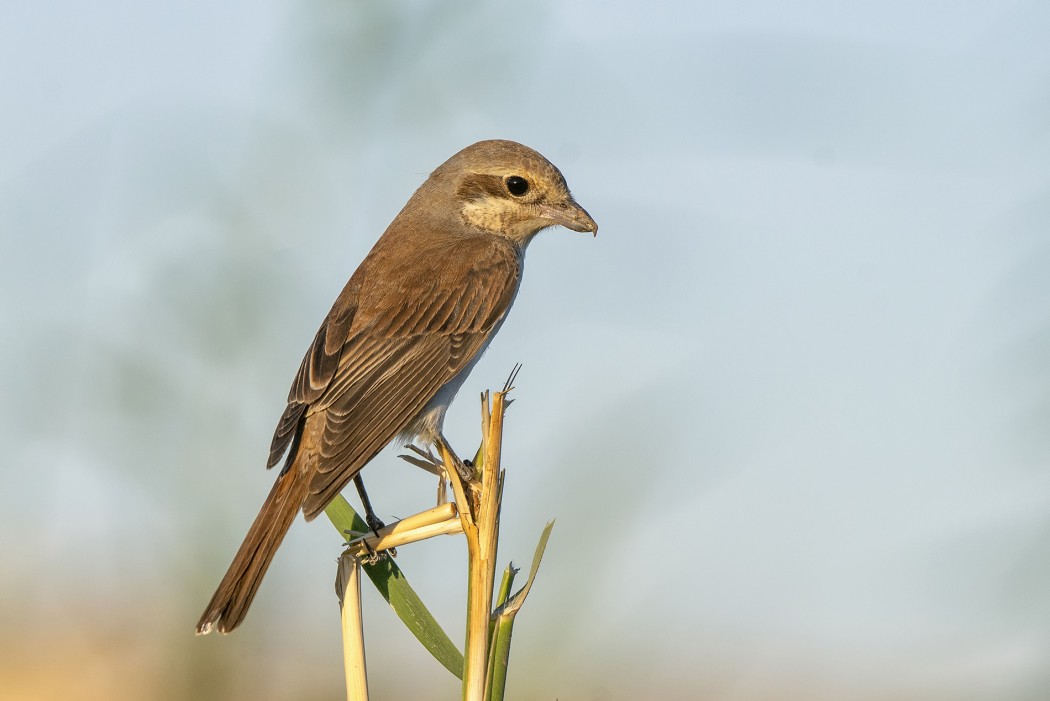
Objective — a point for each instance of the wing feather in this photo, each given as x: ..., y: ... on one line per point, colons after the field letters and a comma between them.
x: 391, y: 403
x: 316, y: 372
x: 400, y: 345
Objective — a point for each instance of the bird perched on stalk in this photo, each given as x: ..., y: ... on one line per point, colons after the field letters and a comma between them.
x: 401, y: 338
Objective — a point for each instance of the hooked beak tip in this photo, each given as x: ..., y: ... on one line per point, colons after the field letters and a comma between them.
x: 570, y: 215
x: 579, y: 220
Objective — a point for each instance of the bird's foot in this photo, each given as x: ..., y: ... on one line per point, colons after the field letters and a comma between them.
x: 467, y: 472
x: 373, y: 521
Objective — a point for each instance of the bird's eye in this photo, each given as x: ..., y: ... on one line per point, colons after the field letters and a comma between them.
x: 517, y: 185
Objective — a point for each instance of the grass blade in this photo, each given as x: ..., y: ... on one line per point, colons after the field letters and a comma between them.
x: 392, y: 585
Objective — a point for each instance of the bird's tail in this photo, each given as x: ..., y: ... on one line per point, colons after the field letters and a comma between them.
x: 229, y: 604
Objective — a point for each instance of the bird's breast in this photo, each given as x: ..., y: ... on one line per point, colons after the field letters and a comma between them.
x: 428, y: 424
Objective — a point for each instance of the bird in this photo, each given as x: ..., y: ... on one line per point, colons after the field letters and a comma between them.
x: 401, y: 338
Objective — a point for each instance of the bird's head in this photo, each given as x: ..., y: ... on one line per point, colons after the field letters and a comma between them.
x: 508, y: 189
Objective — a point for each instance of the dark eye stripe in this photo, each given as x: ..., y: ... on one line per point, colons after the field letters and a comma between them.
x: 476, y: 186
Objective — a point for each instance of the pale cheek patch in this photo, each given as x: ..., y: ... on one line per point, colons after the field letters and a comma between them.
x: 490, y: 214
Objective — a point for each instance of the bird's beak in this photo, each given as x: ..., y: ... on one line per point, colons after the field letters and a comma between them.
x: 570, y: 215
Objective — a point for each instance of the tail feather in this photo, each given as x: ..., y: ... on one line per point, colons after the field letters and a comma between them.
x: 229, y: 604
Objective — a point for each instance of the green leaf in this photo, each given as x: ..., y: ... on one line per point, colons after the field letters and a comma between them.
x: 506, y: 610
x: 515, y: 602
x: 392, y: 585
x: 500, y: 629
x: 499, y: 658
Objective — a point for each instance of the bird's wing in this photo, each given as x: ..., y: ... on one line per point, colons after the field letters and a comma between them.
x: 405, y: 343
x: 319, y: 366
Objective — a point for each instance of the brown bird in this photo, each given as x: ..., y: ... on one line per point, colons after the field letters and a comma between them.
x: 401, y: 338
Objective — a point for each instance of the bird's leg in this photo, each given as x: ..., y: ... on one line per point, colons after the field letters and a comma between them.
x: 373, y: 521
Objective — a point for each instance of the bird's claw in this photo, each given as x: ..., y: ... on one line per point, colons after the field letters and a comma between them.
x: 466, y: 470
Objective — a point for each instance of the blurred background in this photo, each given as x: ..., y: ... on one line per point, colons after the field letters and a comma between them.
x: 789, y: 408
